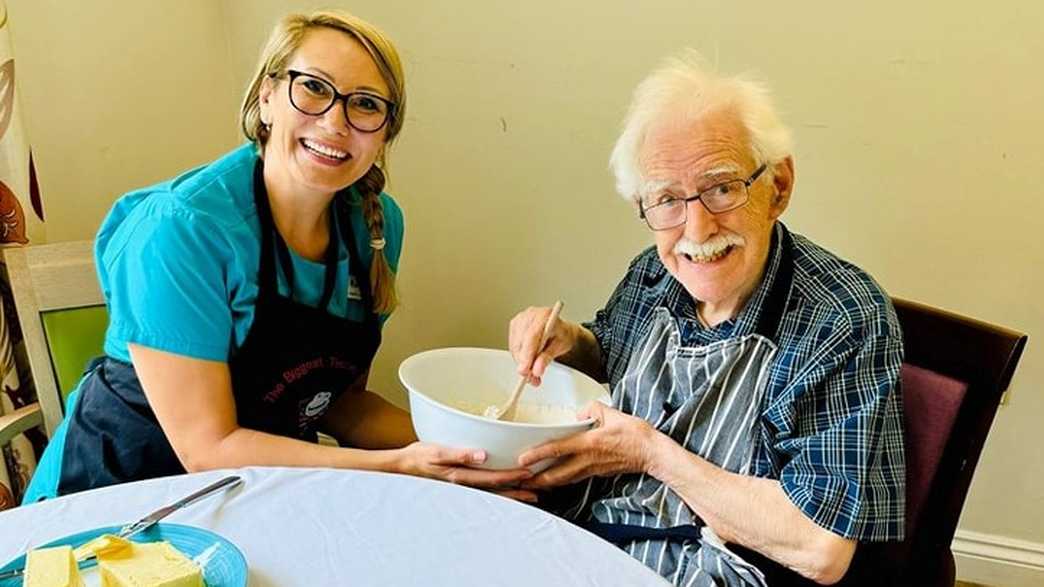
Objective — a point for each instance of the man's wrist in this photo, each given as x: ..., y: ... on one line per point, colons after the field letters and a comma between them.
x: 574, y: 340
x: 658, y: 455
x: 575, y: 335
x: 584, y: 351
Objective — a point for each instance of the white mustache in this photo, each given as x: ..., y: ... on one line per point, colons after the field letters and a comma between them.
x: 710, y: 248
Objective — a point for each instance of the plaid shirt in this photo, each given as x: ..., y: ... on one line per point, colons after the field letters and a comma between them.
x: 832, y: 416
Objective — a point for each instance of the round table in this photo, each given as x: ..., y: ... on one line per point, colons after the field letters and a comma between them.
x: 336, y: 527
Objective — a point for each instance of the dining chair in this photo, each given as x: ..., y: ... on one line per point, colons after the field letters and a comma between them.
x: 955, y: 372
x: 62, y: 317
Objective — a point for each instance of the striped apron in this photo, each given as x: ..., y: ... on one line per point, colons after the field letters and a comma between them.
x: 707, y: 399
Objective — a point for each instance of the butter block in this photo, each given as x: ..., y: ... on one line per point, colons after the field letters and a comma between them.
x: 52, y: 567
x: 154, y: 564
x: 104, y: 544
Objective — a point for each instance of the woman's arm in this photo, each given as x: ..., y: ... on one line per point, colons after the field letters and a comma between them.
x: 193, y: 402
x: 362, y: 419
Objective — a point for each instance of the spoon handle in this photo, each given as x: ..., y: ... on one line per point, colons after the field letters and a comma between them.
x: 507, y: 412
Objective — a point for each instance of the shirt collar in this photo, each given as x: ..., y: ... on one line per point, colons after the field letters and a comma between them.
x: 747, y: 321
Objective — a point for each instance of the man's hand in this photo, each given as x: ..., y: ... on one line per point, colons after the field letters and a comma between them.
x: 618, y: 443
x: 524, y: 334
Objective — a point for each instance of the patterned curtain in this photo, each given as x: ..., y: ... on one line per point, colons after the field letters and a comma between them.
x: 21, y: 221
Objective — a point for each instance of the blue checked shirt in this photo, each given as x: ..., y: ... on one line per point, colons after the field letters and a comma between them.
x: 831, y: 428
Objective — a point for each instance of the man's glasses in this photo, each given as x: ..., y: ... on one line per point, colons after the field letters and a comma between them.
x: 667, y: 211
x: 312, y: 95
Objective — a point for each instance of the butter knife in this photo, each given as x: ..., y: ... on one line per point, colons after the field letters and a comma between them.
x: 151, y: 519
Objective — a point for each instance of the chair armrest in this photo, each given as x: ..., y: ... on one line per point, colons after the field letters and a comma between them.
x: 19, y: 421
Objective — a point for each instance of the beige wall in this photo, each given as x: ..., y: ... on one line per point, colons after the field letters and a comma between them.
x: 919, y: 136
x: 118, y: 94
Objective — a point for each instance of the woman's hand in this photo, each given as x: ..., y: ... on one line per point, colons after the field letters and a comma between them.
x: 456, y: 465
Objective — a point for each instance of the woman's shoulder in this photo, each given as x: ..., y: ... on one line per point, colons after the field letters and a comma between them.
x: 213, y: 202
x: 221, y: 189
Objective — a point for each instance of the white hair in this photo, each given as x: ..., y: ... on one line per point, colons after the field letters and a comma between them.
x: 683, y: 89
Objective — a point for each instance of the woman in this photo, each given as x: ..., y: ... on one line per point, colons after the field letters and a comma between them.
x: 246, y: 297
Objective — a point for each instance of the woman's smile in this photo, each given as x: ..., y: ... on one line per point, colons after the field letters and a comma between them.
x: 324, y: 153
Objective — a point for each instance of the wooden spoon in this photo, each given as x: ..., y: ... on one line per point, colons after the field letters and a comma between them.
x: 508, y: 410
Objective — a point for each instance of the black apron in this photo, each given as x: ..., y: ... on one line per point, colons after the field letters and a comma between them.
x: 294, y: 364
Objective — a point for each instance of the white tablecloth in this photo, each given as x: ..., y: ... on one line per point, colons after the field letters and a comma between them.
x: 329, y: 527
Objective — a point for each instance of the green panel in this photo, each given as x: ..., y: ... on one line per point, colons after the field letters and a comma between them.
x: 74, y: 337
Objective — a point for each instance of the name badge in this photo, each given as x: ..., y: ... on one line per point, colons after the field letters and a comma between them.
x: 354, y: 293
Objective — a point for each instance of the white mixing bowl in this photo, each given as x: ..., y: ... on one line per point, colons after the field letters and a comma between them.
x: 443, y: 383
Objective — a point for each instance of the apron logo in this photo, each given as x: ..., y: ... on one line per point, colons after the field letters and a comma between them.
x: 318, y: 404
x: 273, y: 395
x: 303, y: 369
x: 354, y: 293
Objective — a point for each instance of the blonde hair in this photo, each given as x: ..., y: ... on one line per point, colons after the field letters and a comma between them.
x: 284, y: 41
x: 684, y: 88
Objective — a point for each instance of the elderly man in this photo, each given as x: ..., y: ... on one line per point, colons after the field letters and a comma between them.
x: 754, y: 375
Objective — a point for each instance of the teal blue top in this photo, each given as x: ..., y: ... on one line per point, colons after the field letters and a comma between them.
x: 178, y: 262
x: 178, y: 265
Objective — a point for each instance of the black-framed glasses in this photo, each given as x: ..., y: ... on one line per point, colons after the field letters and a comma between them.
x: 314, y: 96
x: 669, y: 211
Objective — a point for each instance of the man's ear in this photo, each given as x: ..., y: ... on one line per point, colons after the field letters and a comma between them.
x: 783, y: 184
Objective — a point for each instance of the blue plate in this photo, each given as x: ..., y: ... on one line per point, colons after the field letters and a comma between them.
x: 226, y: 568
